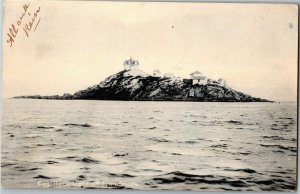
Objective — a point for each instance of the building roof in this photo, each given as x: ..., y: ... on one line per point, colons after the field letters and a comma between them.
x: 131, y: 62
x: 196, y: 72
x: 168, y: 75
x: 201, y: 77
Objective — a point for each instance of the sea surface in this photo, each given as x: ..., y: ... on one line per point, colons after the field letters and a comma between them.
x: 198, y: 146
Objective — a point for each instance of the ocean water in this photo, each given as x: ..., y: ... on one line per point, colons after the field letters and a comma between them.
x: 196, y: 146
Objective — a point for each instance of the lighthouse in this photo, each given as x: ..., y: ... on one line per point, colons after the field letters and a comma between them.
x: 131, y: 64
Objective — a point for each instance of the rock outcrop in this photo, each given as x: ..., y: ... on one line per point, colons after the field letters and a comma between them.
x: 140, y: 86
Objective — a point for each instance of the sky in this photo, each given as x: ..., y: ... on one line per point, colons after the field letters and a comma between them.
x: 77, y: 44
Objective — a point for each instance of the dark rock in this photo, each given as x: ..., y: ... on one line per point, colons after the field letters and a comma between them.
x: 67, y: 96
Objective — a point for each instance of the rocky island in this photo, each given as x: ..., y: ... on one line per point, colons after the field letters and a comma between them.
x: 132, y: 84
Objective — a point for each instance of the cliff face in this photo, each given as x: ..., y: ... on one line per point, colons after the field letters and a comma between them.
x: 136, y: 85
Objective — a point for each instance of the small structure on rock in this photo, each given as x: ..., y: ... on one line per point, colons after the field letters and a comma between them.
x: 156, y: 73
x: 198, y: 78
x: 131, y: 64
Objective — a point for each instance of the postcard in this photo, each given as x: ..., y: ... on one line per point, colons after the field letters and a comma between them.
x: 181, y: 96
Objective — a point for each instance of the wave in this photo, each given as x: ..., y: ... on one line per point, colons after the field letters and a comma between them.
x: 31, y: 137
x: 179, y: 177
x: 41, y: 177
x: 29, y: 169
x: 190, y: 142
x: 51, y: 162
x: 161, y: 140
x: 78, y: 125
x: 219, y: 146
x: 273, y: 137
x: 235, y: 122
x: 4, y: 164
x: 88, y: 160
x: 246, y: 170
x: 152, y: 128
x: 288, y: 118
x: 121, y: 175
x: 81, y: 177
x: 242, y: 183
x: 121, y: 155
x: 289, y: 148
x: 78, y: 159
x: 43, y: 127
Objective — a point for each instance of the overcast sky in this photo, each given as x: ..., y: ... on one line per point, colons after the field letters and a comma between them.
x: 78, y: 44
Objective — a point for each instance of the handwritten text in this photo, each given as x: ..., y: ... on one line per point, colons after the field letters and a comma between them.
x: 26, y: 21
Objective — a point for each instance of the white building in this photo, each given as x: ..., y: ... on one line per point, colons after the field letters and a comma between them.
x: 156, y: 73
x: 131, y: 64
x: 198, y: 78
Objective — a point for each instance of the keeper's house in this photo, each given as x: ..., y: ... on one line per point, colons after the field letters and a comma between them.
x: 196, y: 78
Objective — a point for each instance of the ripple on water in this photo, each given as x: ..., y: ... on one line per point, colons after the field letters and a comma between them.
x: 44, y: 127
x: 121, y: 175
x: 41, y: 177
x: 246, y: 170
x: 79, y: 159
x: 288, y: 148
x: 170, y: 151
x: 51, y: 162
x: 77, y: 125
x: 6, y: 164
x: 161, y: 140
x: 180, y: 177
x: 235, y: 122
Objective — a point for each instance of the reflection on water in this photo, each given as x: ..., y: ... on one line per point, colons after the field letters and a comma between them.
x: 149, y: 145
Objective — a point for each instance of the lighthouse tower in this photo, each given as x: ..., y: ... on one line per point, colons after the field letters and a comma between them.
x: 131, y: 64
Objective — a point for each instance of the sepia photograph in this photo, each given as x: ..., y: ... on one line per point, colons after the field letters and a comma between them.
x: 179, y: 96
